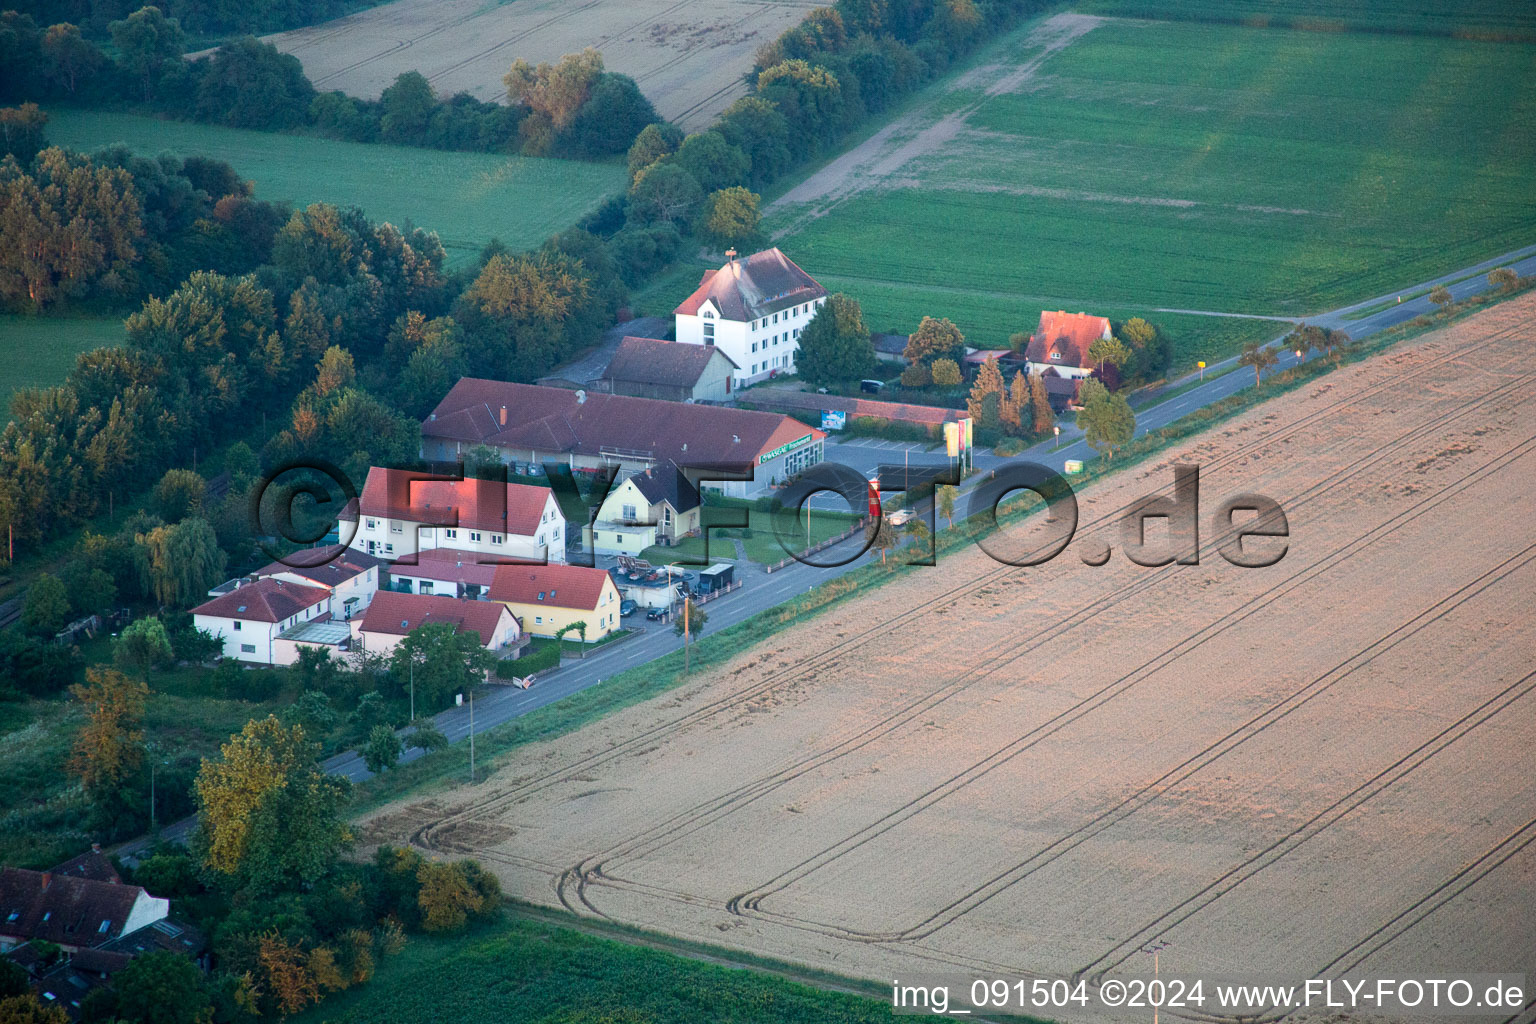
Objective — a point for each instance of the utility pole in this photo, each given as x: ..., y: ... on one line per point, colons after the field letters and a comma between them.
x: 687, y: 604
x: 413, y: 687
x: 471, y: 736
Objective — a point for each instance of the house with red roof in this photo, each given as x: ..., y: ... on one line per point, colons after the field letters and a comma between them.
x: 547, y: 598
x: 401, y: 512
x: 70, y: 911
x: 394, y: 616
x: 1061, y: 343
x: 350, y: 576
x: 753, y: 310
x: 251, y: 618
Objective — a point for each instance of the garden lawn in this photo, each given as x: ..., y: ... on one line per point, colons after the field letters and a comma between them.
x: 759, y: 541
x: 1187, y: 166
x: 39, y: 351
x: 467, y: 198
x: 531, y: 971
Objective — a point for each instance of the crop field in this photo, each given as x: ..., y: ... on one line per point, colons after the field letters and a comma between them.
x: 1098, y: 164
x: 1473, y: 19
x: 687, y: 56
x: 38, y: 352
x: 467, y: 198
x: 1322, y: 767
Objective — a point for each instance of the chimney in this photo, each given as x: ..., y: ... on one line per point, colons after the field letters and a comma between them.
x: 730, y: 255
x: 503, y: 415
x: 95, y: 847
x: 47, y: 880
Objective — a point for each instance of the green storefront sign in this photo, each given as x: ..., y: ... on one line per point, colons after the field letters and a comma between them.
x: 783, y: 449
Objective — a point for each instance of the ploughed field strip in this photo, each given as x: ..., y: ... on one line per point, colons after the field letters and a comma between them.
x: 1324, y: 766
x: 687, y: 57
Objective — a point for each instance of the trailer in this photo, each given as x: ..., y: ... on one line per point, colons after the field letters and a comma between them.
x: 716, y: 578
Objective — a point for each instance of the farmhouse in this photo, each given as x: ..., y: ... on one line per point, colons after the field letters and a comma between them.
x: 72, y: 912
x: 547, y: 598
x: 400, y: 512
x: 654, y: 507
x: 251, y: 618
x: 651, y: 368
x: 526, y: 423
x: 1061, y: 343
x: 753, y: 310
x: 392, y: 617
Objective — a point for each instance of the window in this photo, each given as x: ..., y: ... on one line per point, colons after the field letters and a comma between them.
x: 495, y: 538
x: 539, y: 539
x: 707, y: 315
x: 373, y: 524
x: 541, y: 595
x: 775, y: 340
x: 424, y: 587
x: 775, y: 318
x: 797, y: 332
x: 104, y: 926
x: 237, y: 624
x: 395, y: 527
x: 389, y: 548
x: 451, y: 534
x: 538, y: 620
x: 474, y: 536
x: 247, y: 648
x: 628, y: 512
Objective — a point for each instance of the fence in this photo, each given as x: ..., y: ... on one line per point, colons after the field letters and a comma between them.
x: 814, y: 548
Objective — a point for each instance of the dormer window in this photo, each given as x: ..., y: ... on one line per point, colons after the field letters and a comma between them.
x: 1055, y: 354
x: 708, y: 314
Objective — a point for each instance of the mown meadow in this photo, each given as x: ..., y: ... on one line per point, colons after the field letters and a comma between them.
x: 39, y: 351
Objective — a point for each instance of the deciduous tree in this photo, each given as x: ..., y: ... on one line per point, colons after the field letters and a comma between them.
x: 46, y: 608
x: 1259, y: 356
x: 382, y: 751
x: 731, y: 218
x: 142, y: 645
x: 1107, y: 420
x: 447, y: 661
x: 835, y: 346
x: 934, y: 339
x: 946, y: 373
x: 109, y: 749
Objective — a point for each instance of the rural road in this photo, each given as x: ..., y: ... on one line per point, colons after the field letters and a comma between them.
x: 761, y: 591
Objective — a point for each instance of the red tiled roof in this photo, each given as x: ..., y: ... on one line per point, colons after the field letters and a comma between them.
x: 92, y: 864
x: 653, y: 361
x: 563, y: 586
x: 747, y: 289
x: 63, y: 908
x: 507, y: 508
x: 1067, y: 333
x: 398, y: 614
x: 266, y: 600
x: 448, y: 565
x: 347, y: 564
x: 553, y: 420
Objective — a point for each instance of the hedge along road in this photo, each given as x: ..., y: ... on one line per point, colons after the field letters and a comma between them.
x: 502, y: 704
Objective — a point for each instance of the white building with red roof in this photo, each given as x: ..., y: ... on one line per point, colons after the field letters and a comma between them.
x: 753, y: 310
x: 402, y: 512
x: 392, y: 617
x: 250, y: 618
x: 1061, y: 343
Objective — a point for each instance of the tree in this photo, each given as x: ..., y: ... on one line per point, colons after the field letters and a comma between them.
x: 1260, y: 357
x: 1040, y: 405
x: 689, y: 623
x: 268, y: 814
x: 312, y: 711
x: 1441, y: 296
x: 179, y: 494
x: 665, y: 193
x: 731, y: 218
x: 289, y: 983
x: 916, y: 376
x: 946, y: 373
x: 757, y: 128
x: 989, y: 381
x: 249, y: 84
x: 408, y: 105
x: 162, y: 988
x: 426, y: 736
x: 1016, y: 405
x: 944, y: 498
x: 382, y: 751
x: 883, y: 536
x: 1137, y: 332
x: 714, y: 163
x: 13, y: 979
x: 21, y: 131
x: 1503, y: 278
x: 835, y: 346
x: 70, y: 56
x: 614, y: 113
x: 184, y: 561
x: 142, y: 645
x: 46, y: 609
x: 809, y: 96
x: 452, y: 893
x: 148, y: 41
x: 654, y: 142
x: 447, y: 661
x: 934, y: 339
x: 1108, y: 350
x: 1107, y: 420
x: 555, y: 91
x: 108, y: 752
x: 27, y: 1009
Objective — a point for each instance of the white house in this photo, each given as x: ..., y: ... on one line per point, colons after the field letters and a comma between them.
x: 1061, y: 343
x: 657, y: 506
x: 753, y: 310
x: 400, y: 513
x: 351, y: 578
x: 250, y: 618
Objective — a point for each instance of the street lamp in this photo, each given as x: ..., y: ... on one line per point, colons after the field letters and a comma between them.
x: 1057, y: 431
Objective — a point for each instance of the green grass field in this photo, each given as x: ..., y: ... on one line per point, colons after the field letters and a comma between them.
x: 529, y: 971
x: 38, y: 352
x: 1468, y: 18
x: 1189, y: 166
x: 467, y: 198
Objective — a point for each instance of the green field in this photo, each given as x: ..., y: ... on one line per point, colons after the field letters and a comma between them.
x: 1469, y: 18
x: 530, y: 971
x: 1186, y: 166
x: 38, y: 352
x: 467, y: 198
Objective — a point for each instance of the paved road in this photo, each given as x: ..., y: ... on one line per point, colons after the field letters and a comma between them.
x: 761, y: 591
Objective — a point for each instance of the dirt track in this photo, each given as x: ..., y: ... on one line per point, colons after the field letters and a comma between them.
x: 687, y: 56
x: 1323, y: 767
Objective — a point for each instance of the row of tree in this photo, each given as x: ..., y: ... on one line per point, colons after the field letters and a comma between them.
x: 205, y: 17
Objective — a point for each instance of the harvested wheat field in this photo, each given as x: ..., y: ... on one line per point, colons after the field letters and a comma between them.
x: 1327, y: 766
x: 688, y: 57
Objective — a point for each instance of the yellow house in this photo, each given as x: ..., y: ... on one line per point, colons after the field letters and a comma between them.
x: 657, y: 506
x: 547, y: 598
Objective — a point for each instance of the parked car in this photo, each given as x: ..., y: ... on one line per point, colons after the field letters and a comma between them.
x: 655, y: 613
x: 627, y: 608
x: 871, y: 387
x: 901, y: 517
